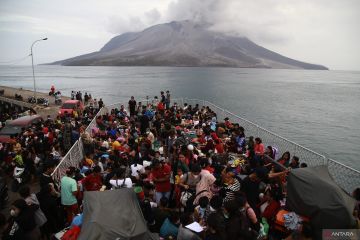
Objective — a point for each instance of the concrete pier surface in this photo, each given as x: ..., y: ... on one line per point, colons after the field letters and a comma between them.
x: 8, y: 95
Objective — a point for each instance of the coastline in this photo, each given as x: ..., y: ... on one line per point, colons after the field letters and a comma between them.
x: 52, y: 109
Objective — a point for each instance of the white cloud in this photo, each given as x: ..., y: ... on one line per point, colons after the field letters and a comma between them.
x: 321, y: 31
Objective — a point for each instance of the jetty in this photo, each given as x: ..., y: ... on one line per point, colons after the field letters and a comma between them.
x: 7, y: 96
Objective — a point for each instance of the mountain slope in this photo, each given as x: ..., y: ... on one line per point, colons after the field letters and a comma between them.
x: 184, y: 44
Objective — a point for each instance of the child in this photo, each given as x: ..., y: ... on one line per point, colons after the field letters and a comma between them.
x: 177, y: 186
x: 202, y: 211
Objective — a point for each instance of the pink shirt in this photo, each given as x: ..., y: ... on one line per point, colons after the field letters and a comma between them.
x: 259, y: 149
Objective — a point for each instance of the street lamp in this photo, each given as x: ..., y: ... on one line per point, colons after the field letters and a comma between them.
x: 32, y: 64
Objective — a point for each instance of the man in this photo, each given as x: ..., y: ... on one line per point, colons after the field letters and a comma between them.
x: 161, y: 178
x: 101, y: 103
x: 46, y: 179
x: 93, y: 182
x: 144, y: 122
x: 132, y: 106
x: 163, y: 98
x: 69, y: 191
x: 167, y: 99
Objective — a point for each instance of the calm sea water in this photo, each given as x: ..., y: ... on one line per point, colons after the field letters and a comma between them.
x: 317, y: 109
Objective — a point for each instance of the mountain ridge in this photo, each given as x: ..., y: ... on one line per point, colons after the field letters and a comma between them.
x: 184, y: 44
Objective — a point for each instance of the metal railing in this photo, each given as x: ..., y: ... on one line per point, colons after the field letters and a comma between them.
x: 72, y: 159
x: 346, y: 177
x: 75, y: 155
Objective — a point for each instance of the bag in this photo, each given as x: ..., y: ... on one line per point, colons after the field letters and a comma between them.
x: 72, y: 234
x: 185, y: 196
x: 121, y: 186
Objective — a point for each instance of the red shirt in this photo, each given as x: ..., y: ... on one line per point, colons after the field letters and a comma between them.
x: 219, y: 148
x: 161, y: 106
x: 161, y: 173
x: 259, y: 149
x: 271, y: 210
x: 92, y: 183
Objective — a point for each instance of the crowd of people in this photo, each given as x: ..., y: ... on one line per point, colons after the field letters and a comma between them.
x: 37, y: 150
x: 184, y: 164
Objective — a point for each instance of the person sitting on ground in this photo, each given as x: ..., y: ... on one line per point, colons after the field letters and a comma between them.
x: 160, y: 214
x: 271, y: 204
x: 93, y: 182
x: 232, y: 185
x: 285, y: 159
x: 294, y: 162
x: 119, y: 180
x: 303, y: 165
x: 202, y: 211
x: 185, y: 233
x: 259, y: 147
x: 170, y: 226
x: 235, y: 218
x: 215, y: 229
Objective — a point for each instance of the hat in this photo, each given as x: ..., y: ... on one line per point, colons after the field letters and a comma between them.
x: 161, y: 150
x: 190, y: 147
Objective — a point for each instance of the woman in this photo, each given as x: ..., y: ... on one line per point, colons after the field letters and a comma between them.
x: 215, y: 229
x: 233, y: 218
x: 183, y: 232
x: 190, y: 179
x: 232, y: 186
x: 203, y: 188
x: 119, y: 180
x: 285, y: 159
x: 22, y: 225
x: 270, y: 205
x: 259, y: 147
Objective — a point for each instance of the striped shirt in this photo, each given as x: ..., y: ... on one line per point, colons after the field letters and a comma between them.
x: 231, y: 190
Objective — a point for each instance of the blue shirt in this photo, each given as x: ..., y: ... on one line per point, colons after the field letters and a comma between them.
x: 168, y: 229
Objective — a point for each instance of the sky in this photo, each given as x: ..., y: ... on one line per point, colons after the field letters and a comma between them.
x: 324, y: 32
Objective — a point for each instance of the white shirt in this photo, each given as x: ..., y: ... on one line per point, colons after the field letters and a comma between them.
x: 119, y: 182
x: 135, y: 170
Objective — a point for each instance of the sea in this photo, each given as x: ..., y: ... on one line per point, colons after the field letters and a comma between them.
x: 317, y: 109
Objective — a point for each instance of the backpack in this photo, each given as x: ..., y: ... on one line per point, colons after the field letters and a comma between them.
x: 123, y: 185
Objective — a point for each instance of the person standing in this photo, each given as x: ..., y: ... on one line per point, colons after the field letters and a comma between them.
x: 31, y: 200
x: 101, y: 103
x: 86, y: 98
x: 161, y: 177
x: 167, y: 99
x: 69, y: 191
x: 132, y: 106
x: 163, y: 98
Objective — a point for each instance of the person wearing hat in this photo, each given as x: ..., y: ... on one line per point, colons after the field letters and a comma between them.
x: 69, y: 190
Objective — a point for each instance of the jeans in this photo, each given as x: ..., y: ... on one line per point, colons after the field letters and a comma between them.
x: 159, y: 195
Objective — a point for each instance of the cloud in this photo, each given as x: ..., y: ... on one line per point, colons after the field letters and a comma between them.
x: 153, y: 15
x: 302, y: 29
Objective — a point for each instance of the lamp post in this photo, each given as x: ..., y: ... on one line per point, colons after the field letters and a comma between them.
x: 32, y: 64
